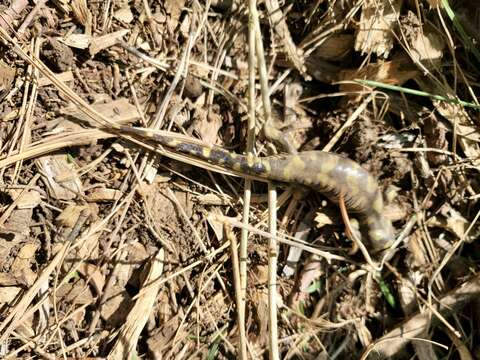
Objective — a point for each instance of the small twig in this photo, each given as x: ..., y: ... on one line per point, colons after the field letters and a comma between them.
x: 106, y: 291
x: 197, y: 237
x: 136, y: 101
x: 272, y: 272
x: 238, y: 292
x: 285, y: 239
x: 185, y: 217
x: 353, y: 234
x: 272, y: 244
x: 31, y: 185
x: 449, y: 255
x: 207, y: 258
x: 247, y: 194
x: 127, y: 339
x: 181, y: 72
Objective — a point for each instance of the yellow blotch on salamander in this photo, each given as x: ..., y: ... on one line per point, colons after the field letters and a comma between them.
x: 376, y: 235
x: 352, y: 185
x: 250, y: 160
x: 324, y: 180
x: 295, y: 166
x: 308, y: 180
x: 206, y: 152
x: 378, y: 204
x: 328, y: 165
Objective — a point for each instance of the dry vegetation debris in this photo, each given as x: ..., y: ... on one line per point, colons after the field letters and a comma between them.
x: 113, y: 247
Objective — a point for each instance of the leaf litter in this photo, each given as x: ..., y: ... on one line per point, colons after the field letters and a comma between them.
x: 112, y: 247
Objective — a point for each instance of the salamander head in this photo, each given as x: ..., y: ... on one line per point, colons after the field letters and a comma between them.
x: 380, y: 232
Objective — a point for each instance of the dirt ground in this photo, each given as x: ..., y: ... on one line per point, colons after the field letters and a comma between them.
x: 113, y: 246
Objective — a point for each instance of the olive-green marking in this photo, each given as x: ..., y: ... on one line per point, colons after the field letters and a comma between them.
x: 324, y: 181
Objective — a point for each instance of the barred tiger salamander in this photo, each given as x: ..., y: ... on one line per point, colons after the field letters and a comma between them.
x: 330, y: 174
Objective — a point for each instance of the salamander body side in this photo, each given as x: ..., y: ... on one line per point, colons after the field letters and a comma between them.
x: 327, y: 173
x: 335, y: 176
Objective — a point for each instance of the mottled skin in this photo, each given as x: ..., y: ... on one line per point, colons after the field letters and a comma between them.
x: 327, y: 173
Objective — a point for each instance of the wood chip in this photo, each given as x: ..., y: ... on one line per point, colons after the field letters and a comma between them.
x: 60, y: 176
x: 124, y: 14
x: 9, y: 293
x: 427, y: 48
x: 103, y: 42
x: 22, y: 265
x: 101, y: 194
x: 63, y: 77
x: 77, y: 41
x: 7, y: 75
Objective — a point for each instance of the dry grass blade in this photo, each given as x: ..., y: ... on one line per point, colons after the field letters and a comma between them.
x: 238, y: 293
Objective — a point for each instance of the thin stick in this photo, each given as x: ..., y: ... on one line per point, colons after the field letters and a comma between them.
x: 238, y: 292
x: 247, y: 194
x: 272, y: 197
x: 272, y: 271
x: 352, y: 234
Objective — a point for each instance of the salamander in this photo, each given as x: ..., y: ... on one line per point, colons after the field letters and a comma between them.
x: 327, y: 173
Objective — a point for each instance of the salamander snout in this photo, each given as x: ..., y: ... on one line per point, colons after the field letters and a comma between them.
x: 380, y: 232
